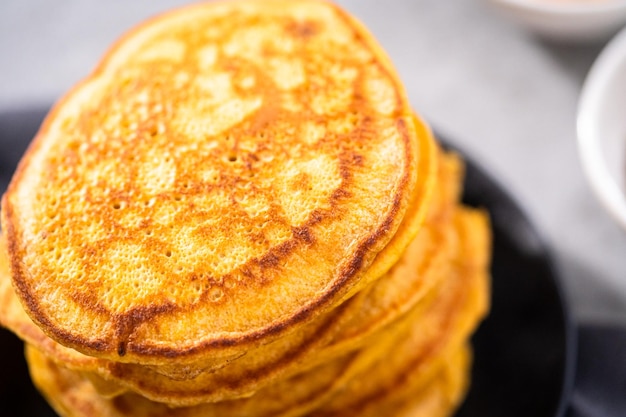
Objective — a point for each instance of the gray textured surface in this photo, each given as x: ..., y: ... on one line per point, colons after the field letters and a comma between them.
x: 502, y: 94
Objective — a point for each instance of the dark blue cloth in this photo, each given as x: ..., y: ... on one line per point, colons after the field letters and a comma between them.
x: 600, y: 384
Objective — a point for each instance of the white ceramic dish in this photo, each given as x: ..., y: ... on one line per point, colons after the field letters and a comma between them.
x: 602, y: 127
x: 573, y: 20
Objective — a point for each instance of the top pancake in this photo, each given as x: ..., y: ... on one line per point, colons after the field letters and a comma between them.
x: 228, y: 171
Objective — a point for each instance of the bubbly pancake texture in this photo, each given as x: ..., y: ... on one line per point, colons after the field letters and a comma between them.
x: 228, y: 171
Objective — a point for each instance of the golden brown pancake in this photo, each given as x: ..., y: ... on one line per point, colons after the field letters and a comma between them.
x: 438, y: 397
x: 420, y: 350
x: 302, y: 393
x: 229, y: 172
x: 441, y: 397
x: 425, y: 335
x: 347, y: 328
x: 72, y: 395
x: 414, y: 362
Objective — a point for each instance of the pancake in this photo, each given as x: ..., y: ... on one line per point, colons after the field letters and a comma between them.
x: 419, y: 357
x: 420, y: 342
x: 421, y: 350
x: 286, y: 354
x: 350, y: 325
x: 229, y: 172
x: 291, y: 397
x: 346, y: 328
x: 439, y: 397
x: 435, y: 168
x: 72, y: 395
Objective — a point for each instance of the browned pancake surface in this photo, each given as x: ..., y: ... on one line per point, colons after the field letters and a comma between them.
x: 229, y: 170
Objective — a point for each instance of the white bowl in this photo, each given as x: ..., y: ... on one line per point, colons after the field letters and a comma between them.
x: 574, y: 20
x: 601, y: 127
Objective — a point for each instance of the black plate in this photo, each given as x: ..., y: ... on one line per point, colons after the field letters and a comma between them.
x: 524, y: 351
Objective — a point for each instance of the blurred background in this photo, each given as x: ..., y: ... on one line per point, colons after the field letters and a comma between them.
x: 505, y: 95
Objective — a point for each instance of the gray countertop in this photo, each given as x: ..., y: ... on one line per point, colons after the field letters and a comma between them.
x: 505, y: 96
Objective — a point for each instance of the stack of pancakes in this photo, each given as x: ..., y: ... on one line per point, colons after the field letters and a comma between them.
x: 238, y: 214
